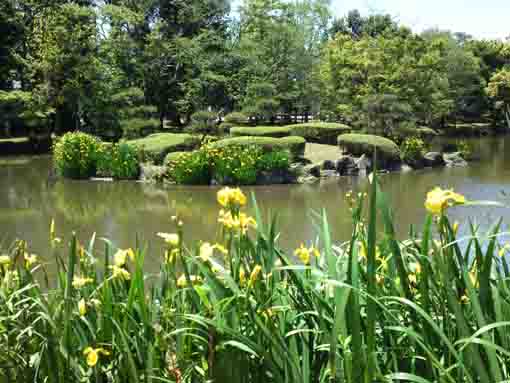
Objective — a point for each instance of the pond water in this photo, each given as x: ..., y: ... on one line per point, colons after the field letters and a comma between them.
x: 125, y: 211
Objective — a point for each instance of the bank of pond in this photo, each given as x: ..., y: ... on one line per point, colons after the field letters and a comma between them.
x: 251, y: 155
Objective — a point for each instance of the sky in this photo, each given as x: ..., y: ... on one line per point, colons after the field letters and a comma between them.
x: 484, y: 19
x: 481, y: 18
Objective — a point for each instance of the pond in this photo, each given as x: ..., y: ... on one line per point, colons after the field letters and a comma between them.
x: 127, y: 211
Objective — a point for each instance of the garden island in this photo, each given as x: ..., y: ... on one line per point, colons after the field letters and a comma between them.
x: 255, y: 191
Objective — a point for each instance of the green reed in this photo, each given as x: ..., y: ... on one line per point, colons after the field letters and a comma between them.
x: 431, y: 308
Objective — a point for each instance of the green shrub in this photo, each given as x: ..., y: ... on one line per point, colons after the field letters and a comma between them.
x: 156, y: 146
x: 320, y: 132
x: 203, y: 122
x: 295, y: 145
x: 120, y: 161
x: 359, y: 144
x: 236, y: 164
x: 76, y: 155
x: 189, y: 168
x: 276, y: 160
x: 412, y: 150
x: 237, y: 118
x: 138, y: 127
x: 261, y: 131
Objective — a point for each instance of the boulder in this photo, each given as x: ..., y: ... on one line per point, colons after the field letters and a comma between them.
x: 433, y: 159
x: 405, y: 168
x: 346, y: 165
x: 278, y: 176
x: 328, y: 165
x: 454, y: 160
x: 328, y: 173
x: 152, y: 173
x: 307, y: 179
x: 313, y: 169
x: 364, y: 164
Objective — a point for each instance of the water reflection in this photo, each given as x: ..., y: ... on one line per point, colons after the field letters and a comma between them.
x: 123, y: 211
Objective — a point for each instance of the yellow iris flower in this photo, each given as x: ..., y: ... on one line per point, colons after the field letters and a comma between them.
x: 79, y: 282
x: 92, y: 355
x: 438, y: 200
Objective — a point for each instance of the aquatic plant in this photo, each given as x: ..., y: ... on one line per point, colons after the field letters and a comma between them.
x: 237, y: 308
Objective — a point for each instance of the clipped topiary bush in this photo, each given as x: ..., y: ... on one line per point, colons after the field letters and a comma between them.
x: 359, y: 144
x: 261, y: 131
x: 203, y: 122
x: 156, y: 146
x: 76, y: 155
x: 319, y: 132
x: 295, y: 145
x: 237, y: 119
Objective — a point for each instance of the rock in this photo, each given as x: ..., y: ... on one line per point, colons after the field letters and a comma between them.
x: 151, y: 173
x: 313, y: 169
x: 275, y: 177
x: 364, y: 164
x: 328, y: 165
x: 101, y: 179
x: 328, y: 173
x: 346, y: 165
x: 297, y: 169
x: 433, y: 159
x: 405, y: 168
x: 307, y: 179
x: 454, y: 160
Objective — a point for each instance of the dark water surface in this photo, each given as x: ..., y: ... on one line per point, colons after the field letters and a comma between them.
x: 121, y: 211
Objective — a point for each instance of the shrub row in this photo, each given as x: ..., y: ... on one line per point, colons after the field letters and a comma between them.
x: 79, y: 155
x: 295, y: 145
x: 317, y: 132
x: 235, y: 164
x: 156, y: 146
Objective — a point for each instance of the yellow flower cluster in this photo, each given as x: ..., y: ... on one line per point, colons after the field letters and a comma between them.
x: 438, y: 200
x: 79, y: 282
x: 231, y: 197
x: 121, y: 256
x: 92, y: 355
x: 240, y: 222
x: 183, y: 282
x: 207, y: 250
x: 305, y: 253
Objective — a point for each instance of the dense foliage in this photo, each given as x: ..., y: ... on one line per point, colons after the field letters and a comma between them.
x: 237, y: 165
x: 80, y: 155
x: 238, y: 308
x: 126, y: 69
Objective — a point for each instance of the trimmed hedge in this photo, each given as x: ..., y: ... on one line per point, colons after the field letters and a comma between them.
x: 319, y: 132
x: 261, y: 131
x: 157, y: 146
x: 359, y: 144
x: 295, y: 145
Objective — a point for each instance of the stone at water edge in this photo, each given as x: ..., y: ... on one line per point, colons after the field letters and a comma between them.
x: 314, y: 170
x: 454, y: 160
x: 328, y: 173
x: 328, y: 165
x: 433, y: 159
x: 307, y: 179
x: 346, y: 165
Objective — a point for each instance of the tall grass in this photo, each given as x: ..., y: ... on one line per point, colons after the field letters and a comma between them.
x: 431, y: 308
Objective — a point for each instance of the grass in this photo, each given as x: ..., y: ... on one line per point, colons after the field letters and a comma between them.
x: 431, y: 308
x: 157, y: 146
x: 296, y: 145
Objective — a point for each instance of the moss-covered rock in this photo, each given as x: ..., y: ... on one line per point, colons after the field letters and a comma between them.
x: 295, y: 145
x: 156, y: 146
x: 261, y: 131
x: 358, y: 144
x: 319, y: 132
x: 172, y: 157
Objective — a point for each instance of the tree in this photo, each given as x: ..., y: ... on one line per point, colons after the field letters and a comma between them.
x: 498, y: 90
